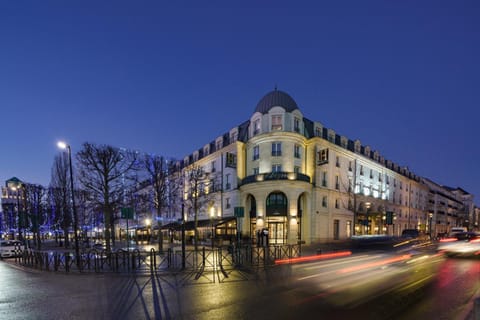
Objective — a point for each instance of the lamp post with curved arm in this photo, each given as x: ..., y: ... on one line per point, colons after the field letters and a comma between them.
x: 63, y: 145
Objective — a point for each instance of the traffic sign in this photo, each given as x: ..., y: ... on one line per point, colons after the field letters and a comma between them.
x: 127, y: 213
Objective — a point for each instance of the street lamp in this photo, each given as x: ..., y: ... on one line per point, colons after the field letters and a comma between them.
x: 367, y: 205
x: 212, y: 215
x: 62, y: 145
x: 430, y: 215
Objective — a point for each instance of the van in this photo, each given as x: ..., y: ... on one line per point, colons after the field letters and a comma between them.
x: 455, y: 230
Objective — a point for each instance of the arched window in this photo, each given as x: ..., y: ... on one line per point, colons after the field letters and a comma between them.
x: 253, y: 206
x: 276, y: 204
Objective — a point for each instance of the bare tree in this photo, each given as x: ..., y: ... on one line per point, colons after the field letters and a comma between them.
x: 197, y: 193
x: 159, y: 171
x: 53, y: 211
x: 85, y: 210
x: 34, y: 205
x: 104, y: 172
x: 60, y: 193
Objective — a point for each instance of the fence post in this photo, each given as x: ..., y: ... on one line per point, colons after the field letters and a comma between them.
x: 56, y: 261
x: 67, y: 261
x: 133, y: 260
x: 47, y: 262
x: 203, y: 256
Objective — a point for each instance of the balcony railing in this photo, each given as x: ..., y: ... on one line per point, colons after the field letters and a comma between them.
x: 275, y: 176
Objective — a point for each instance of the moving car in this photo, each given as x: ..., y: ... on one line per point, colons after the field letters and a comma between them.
x: 10, y: 248
x: 461, y: 244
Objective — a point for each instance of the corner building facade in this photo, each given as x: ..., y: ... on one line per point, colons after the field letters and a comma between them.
x: 302, y: 182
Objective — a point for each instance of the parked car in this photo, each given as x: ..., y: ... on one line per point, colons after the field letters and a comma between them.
x: 414, y: 234
x: 10, y: 248
x: 461, y: 244
x: 410, y: 233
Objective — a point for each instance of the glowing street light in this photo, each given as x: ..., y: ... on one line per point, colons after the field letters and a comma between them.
x: 62, y: 145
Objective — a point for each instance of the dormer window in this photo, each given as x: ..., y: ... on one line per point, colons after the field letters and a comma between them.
x: 296, y: 125
x: 256, y: 127
x: 277, y: 122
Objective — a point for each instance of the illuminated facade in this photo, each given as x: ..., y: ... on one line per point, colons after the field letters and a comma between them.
x: 11, y: 202
x: 302, y: 181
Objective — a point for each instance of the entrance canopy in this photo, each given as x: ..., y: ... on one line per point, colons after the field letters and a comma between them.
x: 190, y: 225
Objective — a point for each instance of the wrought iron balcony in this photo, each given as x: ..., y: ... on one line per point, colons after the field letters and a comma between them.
x: 275, y: 176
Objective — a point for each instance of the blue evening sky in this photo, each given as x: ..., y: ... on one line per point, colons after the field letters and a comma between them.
x: 167, y: 77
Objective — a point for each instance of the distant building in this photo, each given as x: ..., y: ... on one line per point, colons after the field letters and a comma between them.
x: 11, y: 202
x: 449, y: 207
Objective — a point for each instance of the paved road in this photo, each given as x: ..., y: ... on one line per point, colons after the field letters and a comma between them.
x: 285, y: 292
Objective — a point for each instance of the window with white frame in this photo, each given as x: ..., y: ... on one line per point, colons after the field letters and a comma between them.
x: 296, y: 151
x: 276, y: 149
x: 324, y: 201
x: 227, y: 203
x: 227, y: 181
x: 256, y: 171
x: 276, y: 168
x: 296, y: 124
x: 256, y: 152
x: 277, y: 122
x: 256, y: 127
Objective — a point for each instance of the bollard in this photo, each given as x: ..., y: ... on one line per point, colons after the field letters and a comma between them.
x: 169, y: 257
x: 153, y: 259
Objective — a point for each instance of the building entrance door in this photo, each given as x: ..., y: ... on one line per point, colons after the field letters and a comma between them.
x: 276, y: 232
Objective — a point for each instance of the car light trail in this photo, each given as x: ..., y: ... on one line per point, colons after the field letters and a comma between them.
x: 375, y: 264
x: 314, y: 257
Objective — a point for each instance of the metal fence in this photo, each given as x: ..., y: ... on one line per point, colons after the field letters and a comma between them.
x: 222, y: 259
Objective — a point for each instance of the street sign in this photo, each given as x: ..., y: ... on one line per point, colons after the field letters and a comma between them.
x: 389, y: 217
x: 127, y: 213
x: 239, y: 212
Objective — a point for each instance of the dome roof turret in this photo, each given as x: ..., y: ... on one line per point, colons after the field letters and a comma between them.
x: 276, y: 98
